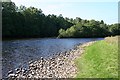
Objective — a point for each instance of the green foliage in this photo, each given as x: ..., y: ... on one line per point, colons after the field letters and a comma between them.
x: 115, y: 29
x: 92, y: 28
x: 61, y: 33
x: 31, y: 22
x: 100, y: 60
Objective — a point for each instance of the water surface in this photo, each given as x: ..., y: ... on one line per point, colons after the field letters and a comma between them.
x: 18, y: 52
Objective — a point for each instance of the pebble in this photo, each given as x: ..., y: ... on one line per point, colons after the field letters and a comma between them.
x: 60, y: 66
x: 17, y: 69
x: 10, y: 72
x: 11, y: 75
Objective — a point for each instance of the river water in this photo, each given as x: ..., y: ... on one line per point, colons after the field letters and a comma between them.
x: 18, y: 52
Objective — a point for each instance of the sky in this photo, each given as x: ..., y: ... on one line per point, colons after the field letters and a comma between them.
x: 106, y: 10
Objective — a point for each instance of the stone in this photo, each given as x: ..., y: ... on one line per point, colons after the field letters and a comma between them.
x: 60, y: 66
x: 10, y: 72
x: 17, y: 69
x: 11, y: 75
x: 32, y: 73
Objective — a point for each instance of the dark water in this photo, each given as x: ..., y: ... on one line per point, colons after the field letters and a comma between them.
x: 18, y: 52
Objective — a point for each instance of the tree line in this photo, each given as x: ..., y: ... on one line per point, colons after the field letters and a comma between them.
x: 90, y: 28
x: 23, y: 22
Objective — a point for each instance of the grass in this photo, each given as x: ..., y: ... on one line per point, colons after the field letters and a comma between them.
x: 100, y: 60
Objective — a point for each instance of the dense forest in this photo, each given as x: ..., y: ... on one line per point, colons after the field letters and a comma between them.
x: 23, y: 22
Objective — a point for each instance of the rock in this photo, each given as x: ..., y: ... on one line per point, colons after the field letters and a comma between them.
x: 30, y: 62
x: 50, y: 75
x: 25, y: 70
x: 10, y: 72
x: 29, y: 75
x: 31, y: 65
x: 36, y: 77
x: 41, y: 58
x: 17, y: 72
x: 17, y: 69
x: 59, y: 66
x: 11, y: 75
x: 32, y: 73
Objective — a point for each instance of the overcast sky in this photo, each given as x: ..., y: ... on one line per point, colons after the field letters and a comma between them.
x: 106, y: 10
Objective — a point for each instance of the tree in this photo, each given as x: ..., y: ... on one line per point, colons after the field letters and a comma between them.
x: 101, y: 22
x: 61, y: 33
x: 22, y: 22
x: 115, y: 29
x: 78, y: 19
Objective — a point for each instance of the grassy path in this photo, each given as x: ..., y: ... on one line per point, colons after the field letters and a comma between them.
x: 100, y: 60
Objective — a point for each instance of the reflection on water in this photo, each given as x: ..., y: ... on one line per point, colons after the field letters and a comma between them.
x: 18, y: 52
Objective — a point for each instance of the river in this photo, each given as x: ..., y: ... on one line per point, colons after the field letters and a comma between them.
x: 18, y: 52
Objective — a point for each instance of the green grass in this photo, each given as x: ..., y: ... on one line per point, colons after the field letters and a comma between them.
x: 100, y: 60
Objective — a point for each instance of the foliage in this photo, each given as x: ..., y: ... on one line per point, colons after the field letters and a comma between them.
x: 32, y: 22
x: 92, y: 28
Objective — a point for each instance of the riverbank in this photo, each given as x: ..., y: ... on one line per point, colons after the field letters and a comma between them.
x: 60, y: 66
x: 99, y: 60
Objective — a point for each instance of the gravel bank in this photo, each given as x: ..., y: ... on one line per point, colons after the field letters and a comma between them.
x: 60, y: 66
